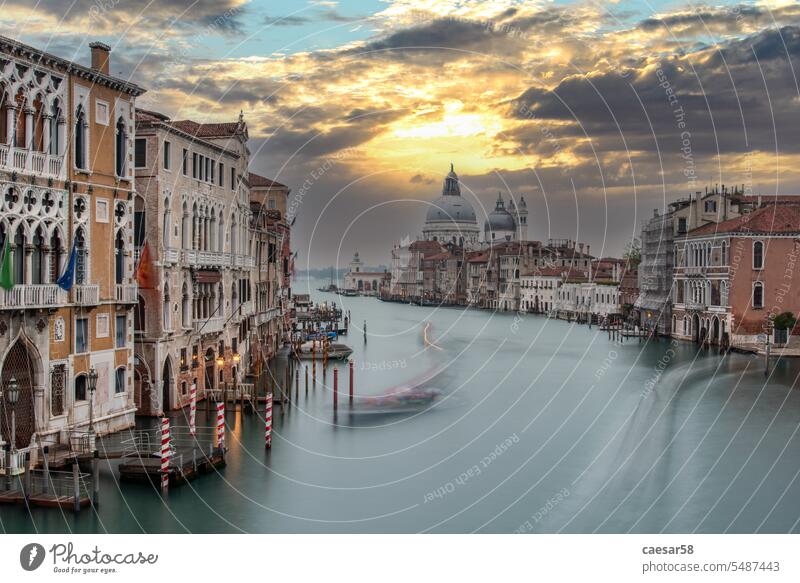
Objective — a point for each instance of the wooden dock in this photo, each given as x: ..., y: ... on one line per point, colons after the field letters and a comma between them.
x: 181, y: 470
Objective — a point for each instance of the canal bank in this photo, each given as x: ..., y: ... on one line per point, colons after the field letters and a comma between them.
x: 544, y: 426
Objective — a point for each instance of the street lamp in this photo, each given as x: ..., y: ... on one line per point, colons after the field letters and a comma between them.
x: 12, y: 396
x: 92, y: 386
x: 237, y: 357
x: 220, y: 360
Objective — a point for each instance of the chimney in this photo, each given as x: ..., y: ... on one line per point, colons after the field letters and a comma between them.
x: 100, y: 54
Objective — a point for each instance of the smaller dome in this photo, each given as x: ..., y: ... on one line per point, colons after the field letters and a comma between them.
x: 500, y: 219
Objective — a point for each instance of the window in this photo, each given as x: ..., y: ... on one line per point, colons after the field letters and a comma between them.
x: 80, y: 387
x: 184, y: 364
x: 80, y: 139
x: 140, y: 157
x: 711, y: 206
x: 121, y: 149
x: 233, y: 178
x: 185, y: 162
x: 758, y: 255
x: 184, y: 388
x: 167, y: 155
x: 221, y: 174
x: 58, y: 380
x: 758, y: 295
x: 271, y: 203
x: 81, y: 335
x: 194, y: 164
x: 213, y: 165
x: 119, y: 380
x: 121, y: 331
x: 682, y: 225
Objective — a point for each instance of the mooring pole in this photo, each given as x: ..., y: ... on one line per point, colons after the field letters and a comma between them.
x: 335, y: 388
x: 96, y: 478
x: 351, y: 382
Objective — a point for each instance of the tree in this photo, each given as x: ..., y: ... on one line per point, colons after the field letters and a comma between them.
x: 784, y: 321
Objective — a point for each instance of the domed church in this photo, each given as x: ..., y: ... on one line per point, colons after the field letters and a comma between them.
x: 451, y: 218
x: 507, y: 224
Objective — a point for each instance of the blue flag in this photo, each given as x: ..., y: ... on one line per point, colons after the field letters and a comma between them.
x: 68, y: 277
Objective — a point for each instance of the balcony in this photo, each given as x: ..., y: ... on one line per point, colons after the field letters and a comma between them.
x: 172, y: 255
x: 32, y: 296
x: 696, y: 306
x: 197, y: 258
x: 32, y: 162
x: 86, y: 295
x: 209, y: 325
x: 127, y: 293
x: 246, y: 309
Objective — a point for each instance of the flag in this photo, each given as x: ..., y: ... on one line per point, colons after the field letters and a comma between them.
x: 6, y: 266
x: 68, y: 277
x: 146, y: 272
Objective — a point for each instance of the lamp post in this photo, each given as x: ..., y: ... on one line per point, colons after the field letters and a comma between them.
x: 92, y: 386
x: 11, y: 397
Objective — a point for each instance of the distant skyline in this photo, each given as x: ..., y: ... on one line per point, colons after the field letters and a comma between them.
x: 596, y: 112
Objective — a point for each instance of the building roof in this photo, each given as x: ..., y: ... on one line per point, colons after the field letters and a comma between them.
x: 479, y: 257
x: 772, y: 218
x: 207, y: 130
x: 148, y: 117
x: 261, y: 181
x: 545, y: 272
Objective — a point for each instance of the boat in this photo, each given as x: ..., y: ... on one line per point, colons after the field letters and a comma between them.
x: 398, y: 400
x: 336, y: 351
x: 331, y: 287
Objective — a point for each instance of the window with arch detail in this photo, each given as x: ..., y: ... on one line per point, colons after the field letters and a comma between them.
x: 758, y: 255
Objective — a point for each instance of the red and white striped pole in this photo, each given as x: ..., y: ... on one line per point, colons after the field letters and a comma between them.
x: 268, y: 421
x: 221, y: 426
x: 193, y: 412
x: 166, y: 453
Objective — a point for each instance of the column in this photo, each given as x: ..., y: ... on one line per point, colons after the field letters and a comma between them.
x: 29, y: 129
x: 28, y: 264
x: 11, y: 121
x: 46, y: 119
x: 46, y: 268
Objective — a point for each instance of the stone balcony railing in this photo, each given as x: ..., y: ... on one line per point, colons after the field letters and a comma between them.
x: 32, y: 296
x: 86, y: 295
x: 31, y: 161
x: 209, y: 325
x: 127, y: 293
x: 172, y: 255
x: 196, y: 258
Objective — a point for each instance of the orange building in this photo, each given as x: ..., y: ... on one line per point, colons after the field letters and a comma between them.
x: 66, y: 175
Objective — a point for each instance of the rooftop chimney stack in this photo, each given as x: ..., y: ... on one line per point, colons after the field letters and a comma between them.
x: 100, y: 57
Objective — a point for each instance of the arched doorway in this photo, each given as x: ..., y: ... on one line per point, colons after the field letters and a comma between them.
x: 696, y: 328
x: 21, y: 363
x: 715, y: 335
x: 166, y: 386
x: 142, y: 388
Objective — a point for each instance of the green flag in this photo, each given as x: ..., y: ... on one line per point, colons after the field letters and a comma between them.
x: 6, y: 267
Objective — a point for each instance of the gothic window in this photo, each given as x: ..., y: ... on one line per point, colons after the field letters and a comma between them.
x: 121, y: 153
x: 119, y: 380
x: 19, y: 255
x: 80, y: 139
x: 166, y: 312
x: 56, y: 256
x: 185, y: 307
x: 38, y: 276
x: 185, y: 230
x: 80, y: 257
x: 119, y: 258
x: 139, y: 222
x: 54, y: 146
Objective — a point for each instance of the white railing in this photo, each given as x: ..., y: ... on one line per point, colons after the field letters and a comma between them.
x: 86, y: 295
x: 23, y: 160
x: 127, y: 293
x: 209, y: 325
x: 246, y: 309
x: 17, y: 462
x: 194, y: 257
x: 33, y: 296
x: 171, y: 255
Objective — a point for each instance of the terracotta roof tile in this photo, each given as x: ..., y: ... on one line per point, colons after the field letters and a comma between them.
x: 772, y: 218
x: 257, y: 180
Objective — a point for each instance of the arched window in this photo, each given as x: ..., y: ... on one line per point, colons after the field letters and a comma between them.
x: 19, y: 255
x: 758, y: 295
x: 758, y: 255
x: 139, y: 315
x: 38, y: 124
x: 4, y: 109
x: 185, y: 228
x: 221, y: 301
x: 139, y: 222
x: 80, y: 257
x: 38, y: 275
x: 221, y: 234
x: 166, y: 309
x: 54, y: 147
x: 119, y: 380
x: 56, y: 255
x: 80, y: 138
x: 186, y: 313
x: 121, y: 141
x: 195, y: 227
x: 119, y: 258
x: 80, y: 387
x: 165, y: 232
x: 723, y: 254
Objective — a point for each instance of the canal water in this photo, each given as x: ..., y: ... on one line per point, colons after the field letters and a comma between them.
x: 543, y: 426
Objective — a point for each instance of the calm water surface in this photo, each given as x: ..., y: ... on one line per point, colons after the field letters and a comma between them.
x: 545, y: 426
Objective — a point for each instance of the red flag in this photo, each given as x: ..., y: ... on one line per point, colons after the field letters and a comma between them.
x: 146, y: 274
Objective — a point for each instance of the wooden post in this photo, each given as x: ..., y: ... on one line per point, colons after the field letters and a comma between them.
x: 76, y: 487
x: 306, y: 369
x: 335, y: 388
x: 268, y: 422
x: 46, y: 466
x: 296, y: 383
x: 351, y: 382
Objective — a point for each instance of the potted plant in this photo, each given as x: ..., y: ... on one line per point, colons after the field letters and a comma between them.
x: 783, y: 324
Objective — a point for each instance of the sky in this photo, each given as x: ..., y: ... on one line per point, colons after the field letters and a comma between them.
x: 596, y: 113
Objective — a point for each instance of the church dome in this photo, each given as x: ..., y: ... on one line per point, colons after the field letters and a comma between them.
x: 500, y: 220
x: 451, y: 206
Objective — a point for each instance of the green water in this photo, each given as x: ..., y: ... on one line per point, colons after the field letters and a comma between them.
x: 544, y: 426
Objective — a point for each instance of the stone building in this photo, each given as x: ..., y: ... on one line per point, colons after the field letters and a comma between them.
x: 451, y: 218
x: 731, y: 277
x: 539, y: 289
x: 368, y: 283
x: 66, y: 174
x: 193, y: 210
